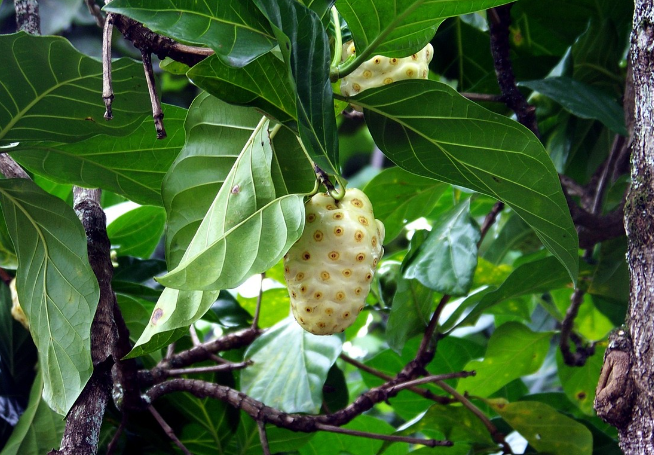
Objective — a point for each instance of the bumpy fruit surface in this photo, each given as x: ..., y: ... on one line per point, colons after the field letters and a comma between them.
x: 380, y: 70
x: 329, y: 269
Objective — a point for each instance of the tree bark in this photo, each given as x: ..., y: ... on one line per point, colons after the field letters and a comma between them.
x: 637, y: 432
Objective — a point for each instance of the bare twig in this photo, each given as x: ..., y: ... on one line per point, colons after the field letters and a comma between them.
x: 490, y: 219
x: 27, y: 16
x: 96, y: 12
x: 263, y: 437
x: 169, y: 431
x: 210, y: 369
x: 116, y: 437
x: 157, y: 113
x: 384, y: 437
x: 11, y: 169
x: 107, y: 89
x: 483, y: 97
x: 579, y: 357
x: 170, y: 351
x: 194, y: 335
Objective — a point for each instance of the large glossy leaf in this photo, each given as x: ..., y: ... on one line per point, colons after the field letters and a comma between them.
x: 400, y: 197
x: 290, y: 367
x: 429, y: 129
x: 235, y: 29
x: 39, y: 429
x: 263, y: 83
x: 446, y: 260
x: 132, y: 166
x: 579, y: 382
x: 513, y: 351
x: 137, y: 232
x: 547, y: 430
x: 51, y: 92
x: 400, y: 28
x: 306, y: 51
x: 582, y: 100
x: 410, y: 312
x: 245, y: 222
x: 56, y: 286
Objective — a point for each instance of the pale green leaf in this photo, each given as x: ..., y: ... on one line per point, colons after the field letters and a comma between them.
x: 56, y: 286
x: 235, y: 29
x: 579, y: 382
x: 513, y: 351
x: 137, y: 232
x: 51, y: 92
x: 132, y: 166
x: 290, y: 367
x: 410, y: 312
x: 427, y: 128
x: 547, y: 430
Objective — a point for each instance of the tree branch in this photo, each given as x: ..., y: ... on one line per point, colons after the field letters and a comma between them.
x: 11, y: 169
x: 384, y: 437
x: 27, y: 16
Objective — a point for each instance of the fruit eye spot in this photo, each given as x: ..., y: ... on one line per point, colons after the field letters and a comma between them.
x: 302, y: 320
x: 299, y: 276
x: 374, y: 241
x: 363, y: 220
x: 410, y: 72
x: 311, y: 217
x: 329, y: 311
x: 414, y: 57
x: 340, y: 295
x: 375, y: 262
x: 306, y: 256
x: 317, y: 236
x: 358, y: 236
x: 356, y: 87
x: 287, y: 269
x: 388, y: 80
x: 338, y: 231
x: 424, y: 74
x: 376, y: 60
x: 358, y: 291
x: 394, y: 61
x: 357, y: 203
x: 308, y: 309
x: 367, y: 74
x: 321, y: 325
x: 347, y: 273
x: 338, y: 216
x: 333, y: 255
x: 346, y: 315
x: 303, y: 289
x: 360, y: 257
x: 368, y: 276
x: 324, y: 275
x: 293, y: 294
x: 317, y: 295
x: 330, y: 207
x: 360, y: 308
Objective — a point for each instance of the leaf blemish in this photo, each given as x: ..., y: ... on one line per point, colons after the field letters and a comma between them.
x: 156, y: 315
x: 236, y: 189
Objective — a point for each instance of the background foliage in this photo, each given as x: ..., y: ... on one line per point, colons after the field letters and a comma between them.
x: 219, y: 201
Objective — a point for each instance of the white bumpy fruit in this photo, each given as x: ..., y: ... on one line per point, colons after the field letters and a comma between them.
x: 381, y: 70
x: 329, y: 269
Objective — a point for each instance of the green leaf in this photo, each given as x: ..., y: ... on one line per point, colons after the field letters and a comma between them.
x: 582, y: 100
x: 244, y: 221
x: 402, y: 27
x: 132, y: 166
x: 280, y: 440
x: 136, y: 312
x: 445, y: 262
x: 290, y: 367
x: 235, y: 29
x: 325, y: 443
x: 428, y: 128
x: 513, y: 351
x: 547, y: 430
x: 579, y: 383
x: 51, y: 92
x: 263, y: 84
x: 39, y: 429
x: 56, y: 286
x: 275, y: 306
x: 137, y: 232
x: 400, y: 197
x: 197, y: 174
x: 174, y: 312
x: 306, y: 51
x: 533, y: 277
x: 8, y: 259
x: 456, y: 423
x: 512, y: 234
x: 410, y: 312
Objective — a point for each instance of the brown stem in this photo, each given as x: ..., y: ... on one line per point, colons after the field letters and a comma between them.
x: 482, y: 97
x: 263, y: 437
x: 169, y: 431
x: 96, y: 12
x: 210, y: 369
x: 257, y: 311
x: 383, y: 437
x: 27, y: 16
x: 579, y: 357
x: 157, y: 113
x: 490, y: 219
x: 11, y: 169
x: 107, y: 88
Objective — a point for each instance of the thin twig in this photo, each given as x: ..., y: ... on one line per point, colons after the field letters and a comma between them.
x: 384, y: 437
x: 482, y: 97
x: 169, y: 431
x: 426, y: 345
x: 170, y: 351
x: 11, y: 169
x: 116, y: 437
x: 492, y: 429
x: 210, y: 369
x: 428, y: 380
x: 579, y: 357
x: 263, y: 437
x: 257, y: 310
x: 490, y: 219
x: 96, y: 12
x: 107, y: 88
x: 194, y: 336
x: 157, y: 113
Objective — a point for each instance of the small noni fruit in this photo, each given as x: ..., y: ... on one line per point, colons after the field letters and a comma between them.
x: 380, y: 70
x: 329, y: 269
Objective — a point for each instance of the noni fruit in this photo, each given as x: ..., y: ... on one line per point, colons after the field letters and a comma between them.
x: 381, y: 70
x: 329, y: 269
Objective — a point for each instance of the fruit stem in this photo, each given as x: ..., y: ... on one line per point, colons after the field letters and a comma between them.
x: 324, y: 179
x: 338, y: 46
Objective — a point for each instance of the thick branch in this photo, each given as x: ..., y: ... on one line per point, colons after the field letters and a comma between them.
x: 11, y: 169
x: 27, y: 16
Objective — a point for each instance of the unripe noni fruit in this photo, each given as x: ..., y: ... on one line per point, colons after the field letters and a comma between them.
x: 381, y: 70
x: 329, y: 269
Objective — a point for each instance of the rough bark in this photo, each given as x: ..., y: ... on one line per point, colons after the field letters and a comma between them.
x: 637, y: 436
